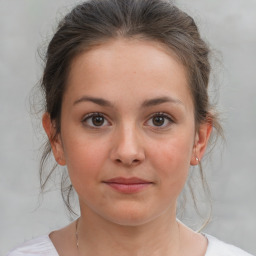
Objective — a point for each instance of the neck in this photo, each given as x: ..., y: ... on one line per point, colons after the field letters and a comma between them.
x: 97, y: 236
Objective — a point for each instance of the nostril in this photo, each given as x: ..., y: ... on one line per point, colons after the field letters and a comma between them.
x: 129, y: 163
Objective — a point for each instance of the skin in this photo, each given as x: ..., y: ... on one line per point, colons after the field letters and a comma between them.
x: 128, y: 76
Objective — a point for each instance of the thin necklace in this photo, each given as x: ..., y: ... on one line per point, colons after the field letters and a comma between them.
x: 77, y: 245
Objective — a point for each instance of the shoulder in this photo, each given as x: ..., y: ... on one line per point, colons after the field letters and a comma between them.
x: 41, y: 246
x: 219, y: 248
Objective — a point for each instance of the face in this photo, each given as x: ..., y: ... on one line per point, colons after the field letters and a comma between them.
x: 127, y: 131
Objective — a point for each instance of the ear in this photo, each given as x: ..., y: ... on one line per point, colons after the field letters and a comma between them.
x: 54, y: 139
x: 201, y: 139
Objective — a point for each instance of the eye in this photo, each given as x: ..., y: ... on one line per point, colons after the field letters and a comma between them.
x: 160, y: 120
x: 95, y: 120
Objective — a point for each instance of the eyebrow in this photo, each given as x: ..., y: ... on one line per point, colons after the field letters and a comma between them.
x: 98, y: 101
x: 146, y: 103
x: 160, y: 100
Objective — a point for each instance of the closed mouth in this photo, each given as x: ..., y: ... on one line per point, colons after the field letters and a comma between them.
x: 128, y: 181
x: 128, y: 185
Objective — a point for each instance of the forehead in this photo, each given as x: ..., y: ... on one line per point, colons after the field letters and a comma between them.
x: 136, y: 50
x: 145, y: 67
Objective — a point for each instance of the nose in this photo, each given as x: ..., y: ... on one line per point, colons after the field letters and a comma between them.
x: 128, y: 147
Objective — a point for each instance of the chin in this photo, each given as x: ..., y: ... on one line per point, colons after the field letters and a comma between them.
x: 132, y: 216
x: 130, y: 221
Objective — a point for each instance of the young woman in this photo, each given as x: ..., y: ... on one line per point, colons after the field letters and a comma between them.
x: 127, y: 112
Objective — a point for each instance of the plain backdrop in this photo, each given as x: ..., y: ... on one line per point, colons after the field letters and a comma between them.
x: 228, y: 26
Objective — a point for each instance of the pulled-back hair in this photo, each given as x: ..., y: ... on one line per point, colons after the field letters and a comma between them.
x: 96, y: 21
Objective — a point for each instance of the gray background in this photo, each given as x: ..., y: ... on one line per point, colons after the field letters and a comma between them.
x: 229, y: 26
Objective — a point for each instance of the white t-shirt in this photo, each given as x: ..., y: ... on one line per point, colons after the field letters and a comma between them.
x: 43, y: 246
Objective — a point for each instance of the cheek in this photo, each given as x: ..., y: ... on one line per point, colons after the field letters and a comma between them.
x: 84, y: 162
x: 172, y: 160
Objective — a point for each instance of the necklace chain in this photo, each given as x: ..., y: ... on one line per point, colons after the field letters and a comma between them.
x: 77, y: 245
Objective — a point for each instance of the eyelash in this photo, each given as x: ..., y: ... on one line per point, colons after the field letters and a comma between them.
x: 162, y: 115
x: 91, y: 115
x: 96, y: 114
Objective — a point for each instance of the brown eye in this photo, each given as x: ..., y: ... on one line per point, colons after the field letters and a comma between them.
x: 95, y: 120
x: 160, y: 120
x: 98, y: 120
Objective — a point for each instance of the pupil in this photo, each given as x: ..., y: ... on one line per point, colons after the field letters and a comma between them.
x: 98, y: 120
x: 158, y: 120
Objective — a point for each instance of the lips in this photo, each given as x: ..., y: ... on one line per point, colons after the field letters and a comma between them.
x: 132, y: 180
x: 128, y: 185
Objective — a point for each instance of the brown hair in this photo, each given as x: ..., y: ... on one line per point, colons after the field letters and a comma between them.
x: 96, y: 21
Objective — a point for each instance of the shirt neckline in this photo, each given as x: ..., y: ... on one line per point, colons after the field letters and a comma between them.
x: 55, y: 250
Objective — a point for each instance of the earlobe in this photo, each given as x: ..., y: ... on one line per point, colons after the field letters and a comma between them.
x: 54, y: 139
x: 201, y: 141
